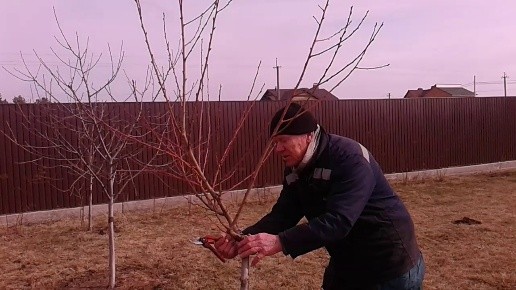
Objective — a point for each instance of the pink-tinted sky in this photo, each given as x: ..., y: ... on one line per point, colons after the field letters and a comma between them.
x: 425, y: 42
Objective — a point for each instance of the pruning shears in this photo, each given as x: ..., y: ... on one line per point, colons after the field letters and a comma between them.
x: 207, y: 242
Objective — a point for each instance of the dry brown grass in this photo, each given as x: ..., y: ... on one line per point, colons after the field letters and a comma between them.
x: 155, y: 249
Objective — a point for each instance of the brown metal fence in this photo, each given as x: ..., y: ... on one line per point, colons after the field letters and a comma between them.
x: 403, y: 134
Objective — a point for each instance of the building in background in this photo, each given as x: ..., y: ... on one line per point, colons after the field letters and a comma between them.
x: 302, y: 94
x: 440, y: 92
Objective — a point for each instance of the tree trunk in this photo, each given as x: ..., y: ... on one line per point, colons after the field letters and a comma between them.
x: 90, y: 205
x: 111, y: 224
x: 90, y: 196
x: 244, y: 274
x: 111, y: 234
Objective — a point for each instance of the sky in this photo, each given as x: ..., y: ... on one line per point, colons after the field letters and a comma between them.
x: 424, y: 42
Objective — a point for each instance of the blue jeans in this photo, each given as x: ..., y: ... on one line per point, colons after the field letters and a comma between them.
x: 412, y: 280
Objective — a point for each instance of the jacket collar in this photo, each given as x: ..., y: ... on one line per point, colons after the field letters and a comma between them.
x: 323, y: 143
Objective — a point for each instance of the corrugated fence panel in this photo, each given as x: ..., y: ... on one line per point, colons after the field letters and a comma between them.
x: 511, y: 131
x: 18, y: 156
x: 510, y: 127
x: 4, y: 143
x: 402, y: 134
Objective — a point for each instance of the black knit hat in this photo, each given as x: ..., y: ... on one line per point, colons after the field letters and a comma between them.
x: 302, y: 123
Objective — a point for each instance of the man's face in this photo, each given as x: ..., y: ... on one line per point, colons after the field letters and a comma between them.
x: 291, y: 148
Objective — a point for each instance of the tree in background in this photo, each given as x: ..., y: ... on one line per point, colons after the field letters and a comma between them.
x: 42, y: 100
x: 19, y: 100
x: 2, y: 101
x: 92, y: 137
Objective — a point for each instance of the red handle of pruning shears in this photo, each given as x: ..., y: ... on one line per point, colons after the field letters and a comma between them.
x: 207, y: 242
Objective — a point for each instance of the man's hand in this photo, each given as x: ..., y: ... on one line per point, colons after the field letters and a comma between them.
x: 226, y: 246
x: 262, y: 245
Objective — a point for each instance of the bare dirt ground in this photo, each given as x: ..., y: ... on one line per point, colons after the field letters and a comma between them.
x: 155, y: 249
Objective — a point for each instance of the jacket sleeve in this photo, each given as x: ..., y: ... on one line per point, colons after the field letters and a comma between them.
x: 352, y: 184
x: 285, y: 214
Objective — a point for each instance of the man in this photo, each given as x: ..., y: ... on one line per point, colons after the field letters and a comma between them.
x: 351, y: 210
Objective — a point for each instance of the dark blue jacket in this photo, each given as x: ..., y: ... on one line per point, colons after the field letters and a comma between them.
x: 351, y: 210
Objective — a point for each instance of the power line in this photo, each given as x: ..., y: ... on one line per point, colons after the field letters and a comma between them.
x: 490, y: 84
x: 487, y: 91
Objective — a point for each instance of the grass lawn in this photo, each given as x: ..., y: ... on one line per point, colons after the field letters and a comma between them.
x: 154, y: 249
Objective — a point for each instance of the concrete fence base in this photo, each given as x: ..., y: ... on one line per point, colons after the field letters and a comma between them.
x: 258, y: 194
x: 449, y: 171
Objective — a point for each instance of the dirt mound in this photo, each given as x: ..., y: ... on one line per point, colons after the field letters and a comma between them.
x: 467, y: 221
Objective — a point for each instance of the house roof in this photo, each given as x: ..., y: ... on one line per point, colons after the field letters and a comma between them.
x: 286, y: 94
x: 457, y: 91
x: 451, y: 91
x: 419, y: 93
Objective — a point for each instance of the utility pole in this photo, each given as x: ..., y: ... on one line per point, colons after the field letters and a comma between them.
x: 474, y: 86
x: 277, y: 67
x: 504, y: 84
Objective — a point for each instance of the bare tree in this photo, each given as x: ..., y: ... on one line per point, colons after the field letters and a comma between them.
x: 189, y: 119
x: 184, y: 132
x: 83, y: 135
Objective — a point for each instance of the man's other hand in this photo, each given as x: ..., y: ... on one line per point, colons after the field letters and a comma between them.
x: 262, y: 245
